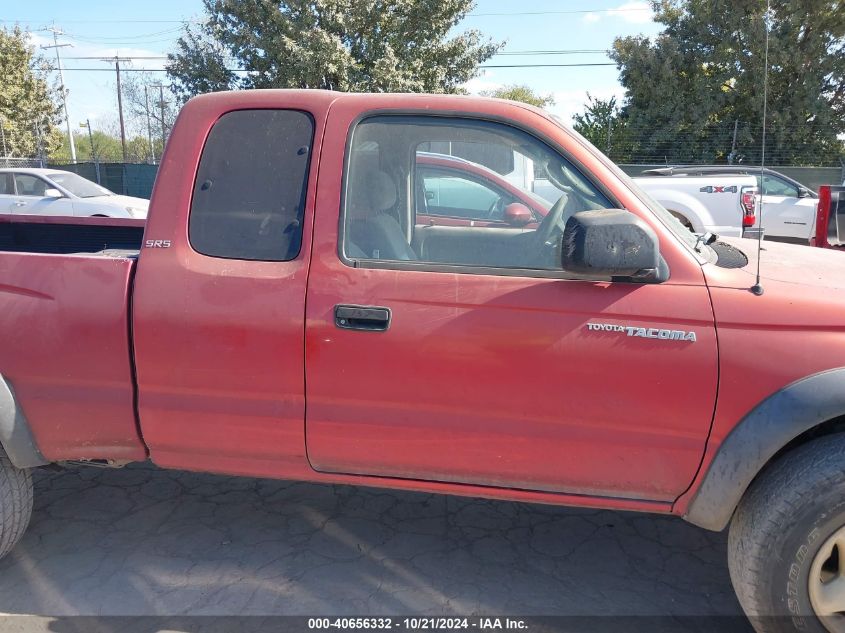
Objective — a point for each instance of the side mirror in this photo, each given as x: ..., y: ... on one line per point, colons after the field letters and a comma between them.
x: 517, y: 214
x: 803, y: 192
x: 608, y: 243
x: 50, y: 192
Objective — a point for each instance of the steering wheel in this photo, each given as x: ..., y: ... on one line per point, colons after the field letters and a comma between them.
x: 552, y: 220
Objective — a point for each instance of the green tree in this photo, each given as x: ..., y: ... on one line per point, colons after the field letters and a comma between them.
x: 603, y: 125
x: 521, y: 92
x: 27, y: 109
x: 701, y: 79
x: 349, y: 45
x: 106, y: 148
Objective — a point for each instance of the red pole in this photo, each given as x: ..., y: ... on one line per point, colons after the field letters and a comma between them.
x: 822, y: 218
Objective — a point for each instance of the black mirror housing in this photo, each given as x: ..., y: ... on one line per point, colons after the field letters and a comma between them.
x: 611, y: 243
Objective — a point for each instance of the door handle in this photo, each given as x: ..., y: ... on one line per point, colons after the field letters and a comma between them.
x: 20, y: 203
x: 368, y: 318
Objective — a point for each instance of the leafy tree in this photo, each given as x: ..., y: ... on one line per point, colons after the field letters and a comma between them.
x: 521, y: 92
x: 349, y: 45
x: 701, y: 79
x: 603, y: 125
x: 27, y: 109
x: 106, y: 148
x: 201, y: 63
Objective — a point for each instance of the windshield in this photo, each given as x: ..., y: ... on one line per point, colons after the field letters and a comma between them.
x: 666, y: 218
x: 78, y: 185
x: 671, y: 222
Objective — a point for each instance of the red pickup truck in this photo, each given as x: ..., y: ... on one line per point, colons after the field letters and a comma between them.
x: 283, y: 314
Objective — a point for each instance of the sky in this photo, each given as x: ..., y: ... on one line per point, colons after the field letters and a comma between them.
x: 559, y: 28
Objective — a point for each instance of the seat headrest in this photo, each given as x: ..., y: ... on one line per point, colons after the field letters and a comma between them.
x: 371, y: 191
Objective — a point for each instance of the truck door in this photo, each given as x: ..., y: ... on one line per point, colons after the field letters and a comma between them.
x: 784, y: 211
x: 218, y: 307
x: 465, y: 354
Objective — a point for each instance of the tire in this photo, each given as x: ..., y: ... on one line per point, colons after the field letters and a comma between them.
x: 683, y: 221
x: 780, y: 533
x: 15, y: 503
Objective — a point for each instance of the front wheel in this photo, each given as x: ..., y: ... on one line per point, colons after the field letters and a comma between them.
x: 15, y: 503
x: 683, y: 220
x: 786, y: 546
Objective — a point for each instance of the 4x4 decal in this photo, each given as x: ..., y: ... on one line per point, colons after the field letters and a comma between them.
x: 718, y: 189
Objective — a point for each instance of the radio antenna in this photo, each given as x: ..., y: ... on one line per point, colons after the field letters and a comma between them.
x: 757, y: 288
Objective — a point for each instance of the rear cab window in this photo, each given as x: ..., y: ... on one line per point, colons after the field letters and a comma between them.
x: 249, y: 194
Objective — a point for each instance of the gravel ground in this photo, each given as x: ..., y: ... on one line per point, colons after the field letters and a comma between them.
x: 146, y: 541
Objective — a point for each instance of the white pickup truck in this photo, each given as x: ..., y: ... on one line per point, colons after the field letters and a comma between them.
x: 724, y: 205
x: 788, y: 208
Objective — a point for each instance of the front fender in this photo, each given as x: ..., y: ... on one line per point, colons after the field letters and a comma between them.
x: 15, y: 435
x: 765, y: 430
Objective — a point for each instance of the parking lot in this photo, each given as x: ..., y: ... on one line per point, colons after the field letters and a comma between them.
x: 144, y: 541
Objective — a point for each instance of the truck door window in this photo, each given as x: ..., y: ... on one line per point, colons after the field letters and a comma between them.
x: 774, y: 186
x: 249, y: 193
x: 533, y: 193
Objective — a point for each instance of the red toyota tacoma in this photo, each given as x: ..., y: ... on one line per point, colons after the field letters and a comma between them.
x: 283, y: 314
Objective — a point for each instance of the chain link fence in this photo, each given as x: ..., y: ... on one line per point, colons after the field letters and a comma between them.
x: 128, y: 179
x: 726, y: 142
x: 11, y: 161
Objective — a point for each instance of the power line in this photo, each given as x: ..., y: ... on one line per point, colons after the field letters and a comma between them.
x: 473, y: 14
x: 129, y: 57
x: 242, y: 70
x: 109, y: 38
x: 575, y: 12
x: 505, y: 53
x: 546, y: 65
x: 602, y: 51
x: 123, y: 21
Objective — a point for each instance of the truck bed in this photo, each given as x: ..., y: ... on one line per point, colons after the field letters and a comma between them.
x: 67, y: 235
x: 64, y: 332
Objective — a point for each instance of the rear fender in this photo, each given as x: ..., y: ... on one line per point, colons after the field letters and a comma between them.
x: 15, y: 435
x: 686, y: 205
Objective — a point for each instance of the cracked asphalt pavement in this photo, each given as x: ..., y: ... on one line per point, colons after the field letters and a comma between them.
x: 146, y: 541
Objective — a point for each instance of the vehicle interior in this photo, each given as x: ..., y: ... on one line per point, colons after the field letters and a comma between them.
x: 29, y: 185
x: 384, y: 195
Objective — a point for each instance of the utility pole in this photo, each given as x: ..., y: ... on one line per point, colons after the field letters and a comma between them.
x: 161, y: 88
x: 117, y: 61
x: 36, y: 129
x: 149, y: 129
x: 3, y: 137
x: 56, y: 32
x: 732, y: 155
x: 93, y: 153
